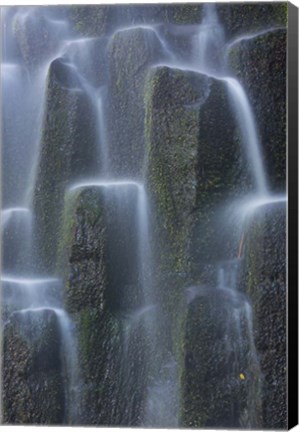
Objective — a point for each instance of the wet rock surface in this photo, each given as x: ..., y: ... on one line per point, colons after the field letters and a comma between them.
x: 131, y: 52
x: 265, y: 283
x: 67, y: 151
x: 244, y: 18
x: 100, y: 306
x: 262, y: 73
x: 214, y: 361
x: 33, y: 383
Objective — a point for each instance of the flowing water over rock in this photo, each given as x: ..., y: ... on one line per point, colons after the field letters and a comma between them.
x: 134, y: 182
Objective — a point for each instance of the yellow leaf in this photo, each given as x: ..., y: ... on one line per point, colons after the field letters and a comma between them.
x: 242, y: 376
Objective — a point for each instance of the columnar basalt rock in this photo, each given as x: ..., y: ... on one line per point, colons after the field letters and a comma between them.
x: 159, y: 336
x: 240, y: 18
x: 130, y: 53
x: 68, y: 150
x: 33, y: 380
x: 84, y: 268
x: 101, y: 294
x: 261, y: 73
x: 217, y: 358
x: 264, y: 281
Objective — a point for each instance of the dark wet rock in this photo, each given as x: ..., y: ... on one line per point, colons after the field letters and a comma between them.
x: 265, y: 284
x: 101, y: 272
x: 196, y: 163
x: 264, y: 78
x: 98, y: 20
x: 131, y: 53
x: 64, y: 74
x: 90, y: 20
x: 173, y: 100
x: 244, y: 18
x: 68, y: 152
x: 33, y: 385
x: 219, y: 373
x: 100, y: 293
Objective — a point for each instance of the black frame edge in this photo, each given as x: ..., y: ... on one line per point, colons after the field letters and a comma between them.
x: 292, y: 252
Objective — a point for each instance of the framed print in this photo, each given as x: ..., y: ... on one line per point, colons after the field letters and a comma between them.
x: 150, y: 215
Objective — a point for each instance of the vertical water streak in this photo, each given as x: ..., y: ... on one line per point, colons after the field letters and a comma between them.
x: 209, y: 41
x: 70, y: 360
x: 248, y: 129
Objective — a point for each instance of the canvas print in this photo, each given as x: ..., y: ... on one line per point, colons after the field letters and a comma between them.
x: 144, y: 215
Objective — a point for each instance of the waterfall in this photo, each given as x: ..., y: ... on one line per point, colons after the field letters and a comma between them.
x: 108, y: 219
x: 26, y: 293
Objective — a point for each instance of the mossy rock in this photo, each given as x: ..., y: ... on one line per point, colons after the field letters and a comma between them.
x: 264, y: 78
x: 33, y: 386
x: 130, y: 54
x: 172, y: 103
x: 99, y: 264
x: 244, y: 18
x: 82, y: 250
x: 99, y: 248
x: 68, y: 152
x: 264, y: 281
x: 196, y: 163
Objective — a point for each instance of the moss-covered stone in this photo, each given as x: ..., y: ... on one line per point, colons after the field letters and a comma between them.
x: 243, y: 18
x: 265, y: 283
x: 68, y: 152
x: 263, y: 75
x: 130, y: 52
x: 102, y: 291
x: 172, y: 103
x: 195, y: 162
x: 33, y: 385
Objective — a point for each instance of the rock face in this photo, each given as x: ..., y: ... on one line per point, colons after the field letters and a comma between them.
x: 130, y: 53
x: 33, y: 382
x: 91, y: 20
x: 67, y: 151
x: 265, y: 283
x: 216, y: 352
x: 101, y: 292
x: 98, y: 333
x: 194, y: 163
x: 218, y: 359
x: 244, y: 18
x: 262, y: 73
x: 173, y: 99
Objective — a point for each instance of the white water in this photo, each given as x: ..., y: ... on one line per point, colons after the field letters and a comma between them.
x: 69, y: 358
x: 23, y: 90
x: 251, y: 36
x: 248, y: 128
x: 7, y: 214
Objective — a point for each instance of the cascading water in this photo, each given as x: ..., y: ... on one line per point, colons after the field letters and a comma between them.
x: 148, y: 389
x: 26, y: 294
